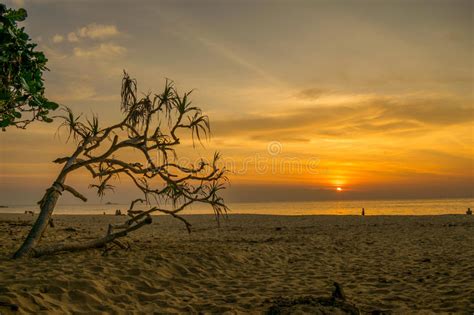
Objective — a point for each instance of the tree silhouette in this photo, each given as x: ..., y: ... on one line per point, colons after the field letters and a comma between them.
x: 150, y: 126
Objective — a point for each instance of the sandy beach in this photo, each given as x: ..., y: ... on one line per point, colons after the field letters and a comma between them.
x: 403, y: 264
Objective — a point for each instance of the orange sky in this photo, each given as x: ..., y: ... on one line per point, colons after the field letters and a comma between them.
x: 304, y: 96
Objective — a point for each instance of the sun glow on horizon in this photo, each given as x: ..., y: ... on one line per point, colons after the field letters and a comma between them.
x: 339, y: 189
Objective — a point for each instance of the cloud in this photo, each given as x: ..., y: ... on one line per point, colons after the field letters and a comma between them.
x: 311, y: 93
x: 76, y: 91
x: 19, y: 3
x: 193, y: 33
x: 97, y: 31
x: 102, y: 50
x: 57, y: 38
x: 71, y: 80
x: 231, y: 55
x: 385, y: 116
x: 437, y: 112
x: 72, y: 37
x: 93, y: 31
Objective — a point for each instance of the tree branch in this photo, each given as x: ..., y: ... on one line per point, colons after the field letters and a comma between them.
x: 74, y: 192
x: 96, y: 243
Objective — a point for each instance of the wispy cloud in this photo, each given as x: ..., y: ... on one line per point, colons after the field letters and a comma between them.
x: 387, y: 116
x: 233, y: 56
x: 192, y: 32
x: 91, y: 31
x: 57, y: 38
x: 97, y: 31
x: 102, y: 50
x: 311, y: 93
x: 72, y: 37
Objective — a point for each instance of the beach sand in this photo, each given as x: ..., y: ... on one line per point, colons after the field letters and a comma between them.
x: 406, y: 264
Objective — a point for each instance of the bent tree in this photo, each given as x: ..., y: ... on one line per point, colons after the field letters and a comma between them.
x: 150, y: 129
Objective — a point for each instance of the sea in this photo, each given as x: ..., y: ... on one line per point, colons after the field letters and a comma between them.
x: 354, y: 207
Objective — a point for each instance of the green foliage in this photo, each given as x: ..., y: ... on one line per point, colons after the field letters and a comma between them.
x: 21, y: 70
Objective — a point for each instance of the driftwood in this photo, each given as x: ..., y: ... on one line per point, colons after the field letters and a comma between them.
x: 150, y: 128
x: 94, y: 243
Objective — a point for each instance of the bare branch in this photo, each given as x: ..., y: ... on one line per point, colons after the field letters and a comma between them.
x: 95, y: 243
x: 74, y: 192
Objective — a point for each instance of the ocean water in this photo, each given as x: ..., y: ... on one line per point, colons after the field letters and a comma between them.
x: 372, y: 207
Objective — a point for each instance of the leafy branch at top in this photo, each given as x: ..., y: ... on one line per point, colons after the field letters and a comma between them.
x: 22, y: 97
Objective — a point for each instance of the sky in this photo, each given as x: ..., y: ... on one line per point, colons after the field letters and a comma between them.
x: 304, y: 97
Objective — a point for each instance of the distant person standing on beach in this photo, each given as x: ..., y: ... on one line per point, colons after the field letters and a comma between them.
x: 469, y: 211
x: 363, y: 211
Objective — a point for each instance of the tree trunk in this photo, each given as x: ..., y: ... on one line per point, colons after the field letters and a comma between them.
x: 48, y: 203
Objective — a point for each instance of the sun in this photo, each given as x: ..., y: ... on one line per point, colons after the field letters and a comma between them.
x: 339, y: 189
